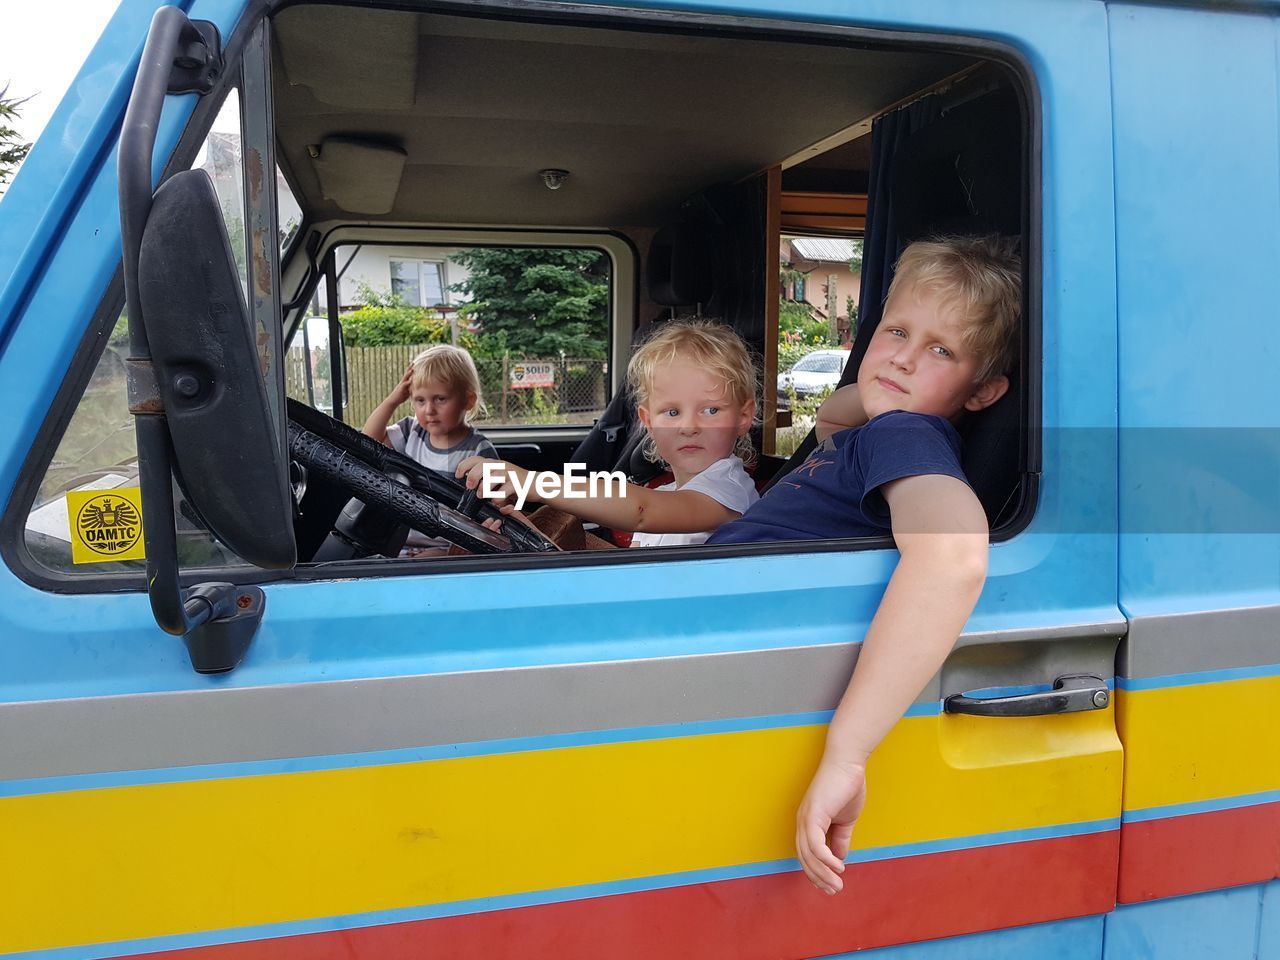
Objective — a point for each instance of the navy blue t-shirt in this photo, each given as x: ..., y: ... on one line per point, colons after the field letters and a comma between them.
x: 835, y: 493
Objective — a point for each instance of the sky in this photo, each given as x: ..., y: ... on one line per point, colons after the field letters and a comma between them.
x: 42, y: 45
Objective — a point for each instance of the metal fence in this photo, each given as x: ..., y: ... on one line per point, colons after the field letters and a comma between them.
x: 515, y: 390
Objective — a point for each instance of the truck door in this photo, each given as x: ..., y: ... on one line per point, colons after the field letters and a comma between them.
x: 563, y: 757
x: 1199, y: 684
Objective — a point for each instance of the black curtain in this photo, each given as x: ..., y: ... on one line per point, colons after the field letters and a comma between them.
x: 882, y: 242
x: 738, y: 214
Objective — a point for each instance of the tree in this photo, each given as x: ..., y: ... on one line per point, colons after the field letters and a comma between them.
x: 12, y: 149
x: 855, y: 261
x: 545, y: 302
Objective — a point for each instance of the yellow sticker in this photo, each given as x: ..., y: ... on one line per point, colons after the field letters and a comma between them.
x: 106, y: 525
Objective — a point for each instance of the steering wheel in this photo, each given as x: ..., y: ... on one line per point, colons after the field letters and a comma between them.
x: 430, y: 502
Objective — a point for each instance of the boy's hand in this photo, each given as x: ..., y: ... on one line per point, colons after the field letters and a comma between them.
x: 402, y: 391
x: 824, y: 822
x: 376, y: 424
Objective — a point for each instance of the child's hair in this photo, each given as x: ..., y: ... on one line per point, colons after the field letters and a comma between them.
x: 707, y: 344
x: 981, y: 278
x: 452, y: 366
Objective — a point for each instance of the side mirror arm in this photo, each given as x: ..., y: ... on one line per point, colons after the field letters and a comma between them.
x: 216, y: 620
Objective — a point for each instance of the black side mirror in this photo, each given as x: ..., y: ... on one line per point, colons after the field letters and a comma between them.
x: 201, y: 401
x: 228, y: 456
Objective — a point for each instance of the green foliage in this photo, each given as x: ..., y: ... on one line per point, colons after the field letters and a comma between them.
x: 539, y: 405
x: 584, y: 380
x: 797, y: 324
x: 12, y: 149
x: 119, y: 336
x: 483, y: 346
x: 804, y: 411
x: 541, y: 301
x: 384, y: 319
x: 799, y: 331
x: 793, y: 314
x: 790, y: 351
x: 855, y: 262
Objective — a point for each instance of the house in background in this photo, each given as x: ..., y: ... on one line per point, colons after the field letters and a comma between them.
x: 825, y: 281
x: 421, y: 276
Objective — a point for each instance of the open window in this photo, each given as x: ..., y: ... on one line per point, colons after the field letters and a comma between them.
x: 538, y: 319
x: 405, y: 174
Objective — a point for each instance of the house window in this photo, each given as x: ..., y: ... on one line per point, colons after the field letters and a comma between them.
x: 799, y: 289
x: 419, y: 283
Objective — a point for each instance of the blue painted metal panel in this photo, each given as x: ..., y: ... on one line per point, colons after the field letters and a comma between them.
x: 1076, y: 939
x: 1198, y: 238
x: 1269, y: 922
x: 1222, y: 925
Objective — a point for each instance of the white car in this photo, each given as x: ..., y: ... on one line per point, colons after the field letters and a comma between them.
x: 813, y: 373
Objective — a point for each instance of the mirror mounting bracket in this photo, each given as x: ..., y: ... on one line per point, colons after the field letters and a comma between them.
x: 226, y: 617
x: 197, y: 62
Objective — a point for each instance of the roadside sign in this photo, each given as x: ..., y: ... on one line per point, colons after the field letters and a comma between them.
x: 533, y: 375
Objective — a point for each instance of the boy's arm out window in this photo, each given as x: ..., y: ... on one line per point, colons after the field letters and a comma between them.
x: 941, y: 532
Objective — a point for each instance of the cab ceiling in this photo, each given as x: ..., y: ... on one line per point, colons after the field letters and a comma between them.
x: 642, y: 121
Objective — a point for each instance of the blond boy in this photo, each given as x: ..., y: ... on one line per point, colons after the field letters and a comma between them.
x: 946, y: 340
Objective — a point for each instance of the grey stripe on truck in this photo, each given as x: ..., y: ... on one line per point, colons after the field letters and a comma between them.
x: 158, y: 730
x: 1170, y: 644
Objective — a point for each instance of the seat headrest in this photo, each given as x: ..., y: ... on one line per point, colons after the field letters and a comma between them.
x: 991, y: 441
x: 681, y: 267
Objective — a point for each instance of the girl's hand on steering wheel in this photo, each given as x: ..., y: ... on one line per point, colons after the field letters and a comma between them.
x: 508, y: 511
x: 472, y: 472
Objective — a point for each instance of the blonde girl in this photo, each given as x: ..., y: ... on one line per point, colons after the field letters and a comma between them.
x: 695, y: 388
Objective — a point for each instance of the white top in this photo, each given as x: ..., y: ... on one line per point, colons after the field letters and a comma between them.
x: 726, y: 482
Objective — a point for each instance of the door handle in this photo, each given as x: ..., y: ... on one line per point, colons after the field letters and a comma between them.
x: 1070, y: 694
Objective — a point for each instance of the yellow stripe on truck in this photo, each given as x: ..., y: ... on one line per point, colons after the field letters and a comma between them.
x: 150, y: 860
x: 1199, y: 742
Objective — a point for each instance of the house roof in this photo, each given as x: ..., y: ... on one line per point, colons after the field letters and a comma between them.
x: 823, y: 249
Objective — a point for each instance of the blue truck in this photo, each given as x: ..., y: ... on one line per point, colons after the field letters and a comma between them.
x: 235, y: 723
